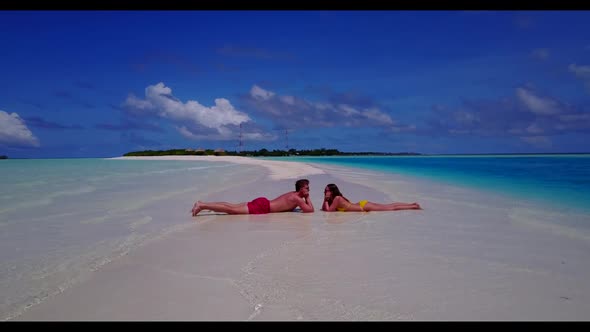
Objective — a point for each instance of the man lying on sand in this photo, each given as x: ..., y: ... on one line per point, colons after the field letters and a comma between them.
x: 261, y: 205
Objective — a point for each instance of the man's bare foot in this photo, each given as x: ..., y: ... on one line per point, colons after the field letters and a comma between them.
x: 196, y: 208
x: 417, y: 206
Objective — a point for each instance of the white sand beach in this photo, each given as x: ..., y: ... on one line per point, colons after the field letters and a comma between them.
x: 278, y: 170
x: 467, y: 256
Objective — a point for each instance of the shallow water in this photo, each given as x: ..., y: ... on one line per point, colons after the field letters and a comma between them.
x: 61, y: 219
x: 562, y: 181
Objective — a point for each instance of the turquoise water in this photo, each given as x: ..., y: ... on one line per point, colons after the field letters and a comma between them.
x: 560, y: 181
x: 62, y: 219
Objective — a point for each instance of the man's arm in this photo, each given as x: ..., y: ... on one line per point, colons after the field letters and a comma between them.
x: 308, y: 200
x: 305, y: 204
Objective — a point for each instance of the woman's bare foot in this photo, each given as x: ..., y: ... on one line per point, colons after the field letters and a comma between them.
x: 196, y: 208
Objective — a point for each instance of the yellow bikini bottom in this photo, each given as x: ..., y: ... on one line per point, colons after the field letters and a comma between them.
x: 361, y: 203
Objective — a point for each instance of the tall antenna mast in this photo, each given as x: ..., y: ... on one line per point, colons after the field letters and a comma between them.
x: 241, y: 144
x: 286, y: 136
x: 287, y: 139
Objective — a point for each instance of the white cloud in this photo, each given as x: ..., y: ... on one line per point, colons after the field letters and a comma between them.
x: 348, y: 111
x: 536, y: 104
x: 290, y: 110
x: 289, y: 100
x: 138, y: 104
x: 225, y: 134
x: 13, y: 131
x: 378, y: 116
x: 537, y: 120
x: 322, y: 106
x: 258, y: 136
x: 186, y: 133
x: 259, y: 93
x: 371, y: 114
x: 580, y: 71
x: 160, y: 101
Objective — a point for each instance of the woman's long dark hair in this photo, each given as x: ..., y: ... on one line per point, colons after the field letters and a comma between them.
x: 335, y: 192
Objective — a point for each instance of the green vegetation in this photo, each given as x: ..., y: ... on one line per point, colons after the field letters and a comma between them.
x: 261, y: 153
x: 173, y: 152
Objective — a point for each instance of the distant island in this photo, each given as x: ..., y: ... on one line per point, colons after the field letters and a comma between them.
x: 261, y: 153
x: 3, y: 157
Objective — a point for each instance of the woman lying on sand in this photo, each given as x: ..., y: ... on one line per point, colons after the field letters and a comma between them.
x: 334, y: 201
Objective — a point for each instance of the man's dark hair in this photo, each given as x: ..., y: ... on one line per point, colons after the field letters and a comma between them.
x: 301, y: 183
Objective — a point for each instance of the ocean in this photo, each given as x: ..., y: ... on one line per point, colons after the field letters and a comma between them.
x: 555, y: 181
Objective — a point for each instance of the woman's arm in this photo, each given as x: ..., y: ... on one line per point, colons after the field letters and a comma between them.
x: 325, y: 205
x: 332, y: 207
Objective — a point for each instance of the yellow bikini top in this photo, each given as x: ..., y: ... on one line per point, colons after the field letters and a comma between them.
x: 341, y: 209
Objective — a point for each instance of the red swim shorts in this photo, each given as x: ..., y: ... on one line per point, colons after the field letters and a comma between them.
x: 261, y: 205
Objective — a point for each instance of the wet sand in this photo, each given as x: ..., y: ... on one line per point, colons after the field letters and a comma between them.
x: 467, y: 256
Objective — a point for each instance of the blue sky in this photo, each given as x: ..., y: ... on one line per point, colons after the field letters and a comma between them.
x: 102, y: 83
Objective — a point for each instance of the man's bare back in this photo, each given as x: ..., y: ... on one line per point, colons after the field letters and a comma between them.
x: 286, y: 202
